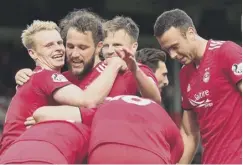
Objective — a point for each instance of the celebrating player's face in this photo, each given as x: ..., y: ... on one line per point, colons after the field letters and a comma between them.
x: 116, y: 40
x: 161, y: 75
x: 178, y: 45
x: 80, y: 50
x: 48, y: 51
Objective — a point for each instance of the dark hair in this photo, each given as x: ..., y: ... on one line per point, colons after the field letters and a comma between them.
x: 173, y: 18
x: 83, y: 20
x: 151, y: 57
x: 122, y: 23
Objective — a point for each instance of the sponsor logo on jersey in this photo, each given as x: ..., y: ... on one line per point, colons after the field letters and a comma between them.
x: 58, y: 78
x: 206, y: 75
x: 200, y: 100
x: 237, y: 69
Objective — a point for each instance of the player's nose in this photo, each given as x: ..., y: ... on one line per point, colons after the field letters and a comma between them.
x: 166, y: 82
x: 75, y: 53
x: 111, y: 50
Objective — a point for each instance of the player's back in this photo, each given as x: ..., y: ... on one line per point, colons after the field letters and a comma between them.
x: 137, y: 122
x: 27, y: 99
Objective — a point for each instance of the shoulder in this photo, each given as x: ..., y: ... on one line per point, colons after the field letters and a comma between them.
x: 44, y: 74
x: 66, y: 73
x: 220, y: 46
x: 185, y: 69
x: 100, y: 67
x: 142, y: 66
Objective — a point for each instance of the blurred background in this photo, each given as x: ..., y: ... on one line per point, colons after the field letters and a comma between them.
x: 214, y: 19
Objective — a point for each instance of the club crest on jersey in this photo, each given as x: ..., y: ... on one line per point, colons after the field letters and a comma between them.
x: 206, y: 75
x: 237, y: 69
x: 58, y: 78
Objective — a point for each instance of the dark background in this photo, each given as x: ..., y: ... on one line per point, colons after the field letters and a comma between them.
x: 216, y: 19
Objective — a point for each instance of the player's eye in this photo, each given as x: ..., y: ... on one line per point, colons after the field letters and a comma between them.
x: 70, y: 46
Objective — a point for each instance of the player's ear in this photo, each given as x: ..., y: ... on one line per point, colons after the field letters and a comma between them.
x: 32, y: 54
x: 134, y: 46
x: 191, y: 33
x: 99, y: 47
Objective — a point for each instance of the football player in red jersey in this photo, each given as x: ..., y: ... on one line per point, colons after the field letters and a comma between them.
x: 155, y: 59
x: 47, y: 86
x: 211, y: 87
x: 77, y: 50
x: 82, y: 31
x: 134, y: 130
x: 125, y: 129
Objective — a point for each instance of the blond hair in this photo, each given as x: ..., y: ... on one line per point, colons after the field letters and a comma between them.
x: 36, y: 26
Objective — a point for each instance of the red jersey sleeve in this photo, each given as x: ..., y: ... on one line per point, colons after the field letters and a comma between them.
x: 131, y: 81
x: 184, y: 86
x: 48, y: 81
x: 230, y: 58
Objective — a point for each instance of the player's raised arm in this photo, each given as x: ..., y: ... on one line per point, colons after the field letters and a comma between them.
x: 146, y: 85
x: 101, y: 86
x: 190, y: 135
x: 22, y: 76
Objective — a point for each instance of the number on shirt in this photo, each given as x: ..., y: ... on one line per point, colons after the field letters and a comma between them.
x: 132, y: 100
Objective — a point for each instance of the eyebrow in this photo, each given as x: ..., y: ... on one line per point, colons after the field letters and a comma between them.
x: 171, y: 45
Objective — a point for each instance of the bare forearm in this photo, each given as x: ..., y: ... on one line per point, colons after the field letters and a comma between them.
x: 190, y: 148
x: 63, y: 112
x: 147, y: 87
x: 100, y: 88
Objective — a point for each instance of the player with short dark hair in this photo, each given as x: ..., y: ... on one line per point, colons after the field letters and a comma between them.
x: 155, y: 59
x: 211, y: 88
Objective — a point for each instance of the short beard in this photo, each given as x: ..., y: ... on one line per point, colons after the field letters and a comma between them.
x: 87, y: 68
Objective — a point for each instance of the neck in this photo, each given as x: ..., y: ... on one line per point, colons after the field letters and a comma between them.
x: 47, y: 67
x: 200, y: 49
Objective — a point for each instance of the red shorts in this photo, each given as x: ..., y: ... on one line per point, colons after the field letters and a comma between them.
x: 25, y: 152
x: 111, y: 153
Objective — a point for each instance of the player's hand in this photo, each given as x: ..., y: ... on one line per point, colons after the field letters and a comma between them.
x: 116, y: 61
x: 30, y: 121
x: 22, y: 76
x: 129, y: 57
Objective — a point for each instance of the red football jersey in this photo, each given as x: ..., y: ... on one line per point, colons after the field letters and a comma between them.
x: 62, y: 135
x: 35, y: 93
x: 210, y: 90
x: 125, y: 83
x: 138, y: 122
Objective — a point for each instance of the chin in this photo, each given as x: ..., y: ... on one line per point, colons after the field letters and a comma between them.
x: 76, y: 71
x: 59, y: 66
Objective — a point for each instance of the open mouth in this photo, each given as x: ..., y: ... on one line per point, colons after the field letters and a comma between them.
x: 77, y: 63
x: 58, y: 57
